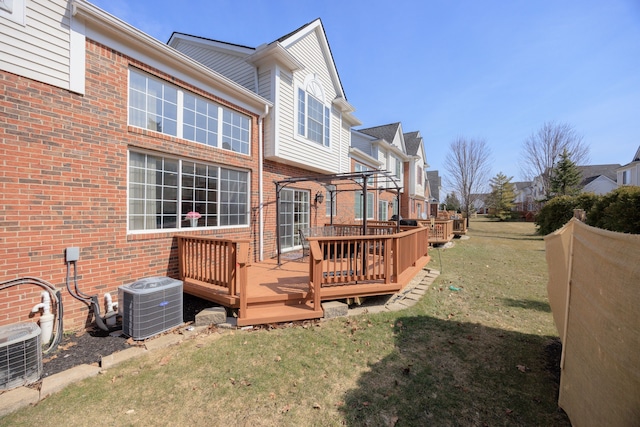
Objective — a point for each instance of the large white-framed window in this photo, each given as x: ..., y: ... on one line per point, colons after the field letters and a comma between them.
x: 163, y: 189
x: 370, y: 205
x: 313, y: 114
x: 163, y: 107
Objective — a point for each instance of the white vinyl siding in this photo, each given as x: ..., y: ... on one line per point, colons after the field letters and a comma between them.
x: 288, y: 145
x: 41, y: 48
x: 230, y: 65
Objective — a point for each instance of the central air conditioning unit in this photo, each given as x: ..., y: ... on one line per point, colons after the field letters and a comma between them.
x: 20, y: 355
x: 150, y: 306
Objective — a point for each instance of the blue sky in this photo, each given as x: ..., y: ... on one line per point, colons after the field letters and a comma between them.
x: 496, y: 70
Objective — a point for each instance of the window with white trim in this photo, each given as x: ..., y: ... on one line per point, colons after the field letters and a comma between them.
x: 162, y: 107
x: 362, y: 168
x: 397, y: 166
x: 626, y: 177
x: 313, y: 115
x: 383, y: 210
x: 14, y: 10
x: 330, y: 201
x: 162, y: 190
x: 370, y: 205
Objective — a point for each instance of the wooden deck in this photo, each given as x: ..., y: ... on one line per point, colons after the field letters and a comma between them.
x: 266, y: 292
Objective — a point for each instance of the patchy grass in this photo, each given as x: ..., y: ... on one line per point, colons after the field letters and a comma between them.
x: 478, y: 355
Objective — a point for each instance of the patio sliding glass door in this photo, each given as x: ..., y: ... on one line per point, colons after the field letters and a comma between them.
x: 294, y: 214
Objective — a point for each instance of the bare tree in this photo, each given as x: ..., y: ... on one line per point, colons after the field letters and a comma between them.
x: 541, y: 152
x: 467, y: 165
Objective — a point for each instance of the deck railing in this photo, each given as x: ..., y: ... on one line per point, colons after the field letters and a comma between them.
x: 348, y: 260
x: 440, y: 232
x: 215, y: 261
x: 460, y: 226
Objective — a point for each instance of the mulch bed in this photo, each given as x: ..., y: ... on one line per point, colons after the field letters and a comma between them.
x: 88, y: 347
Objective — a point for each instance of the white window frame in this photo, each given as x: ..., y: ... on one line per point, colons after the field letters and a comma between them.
x: 14, y: 10
x: 370, y: 205
x: 383, y: 210
x: 309, y: 93
x: 202, y: 121
x: 231, y: 195
x: 331, y: 207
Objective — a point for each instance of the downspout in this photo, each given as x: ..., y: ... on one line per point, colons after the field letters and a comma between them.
x: 261, y: 183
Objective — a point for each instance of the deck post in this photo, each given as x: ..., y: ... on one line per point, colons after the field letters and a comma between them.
x: 315, y: 264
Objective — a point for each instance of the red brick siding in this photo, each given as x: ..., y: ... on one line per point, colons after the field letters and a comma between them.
x: 63, y: 182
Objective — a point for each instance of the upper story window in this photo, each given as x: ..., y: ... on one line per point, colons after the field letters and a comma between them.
x: 13, y: 10
x: 162, y: 190
x: 396, y: 166
x: 626, y: 177
x: 162, y: 107
x: 314, y: 117
x: 362, y: 168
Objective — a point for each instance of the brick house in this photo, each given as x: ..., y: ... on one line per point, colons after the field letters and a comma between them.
x: 107, y: 141
x: 307, y: 132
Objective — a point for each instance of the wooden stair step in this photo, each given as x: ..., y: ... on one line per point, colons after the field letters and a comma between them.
x: 258, y: 315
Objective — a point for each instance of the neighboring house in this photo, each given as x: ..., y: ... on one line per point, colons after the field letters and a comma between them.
x: 109, y: 138
x: 478, y: 203
x: 434, y: 184
x: 598, y: 179
x: 365, y: 156
x: 629, y: 174
x: 307, y: 131
x: 524, y: 200
x: 417, y: 191
x: 388, y: 146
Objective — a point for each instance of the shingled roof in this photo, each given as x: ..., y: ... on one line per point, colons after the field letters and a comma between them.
x: 386, y: 132
x: 591, y: 172
x: 412, y: 141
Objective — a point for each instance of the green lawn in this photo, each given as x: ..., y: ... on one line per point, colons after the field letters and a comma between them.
x: 478, y: 349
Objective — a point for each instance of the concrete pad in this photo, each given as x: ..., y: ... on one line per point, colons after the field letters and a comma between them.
x: 57, y: 382
x: 162, y: 341
x: 334, y: 309
x: 211, y: 316
x: 17, y: 398
x: 120, y: 356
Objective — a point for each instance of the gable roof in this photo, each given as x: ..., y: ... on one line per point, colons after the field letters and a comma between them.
x: 315, y: 25
x: 591, y: 172
x: 386, y: 132
x: 435, y: 182
x: 412, y: 141
x: 521, y: 185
